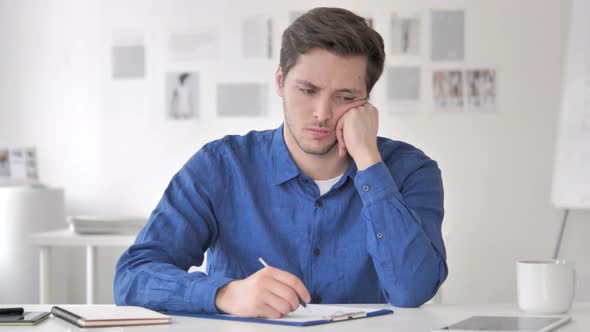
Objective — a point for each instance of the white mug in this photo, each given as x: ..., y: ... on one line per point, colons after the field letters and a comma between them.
x: 545, y: 286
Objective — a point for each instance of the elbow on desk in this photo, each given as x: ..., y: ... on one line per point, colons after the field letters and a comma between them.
x: 411, y: 298
x: 122, y: 291
x: 414, y: 293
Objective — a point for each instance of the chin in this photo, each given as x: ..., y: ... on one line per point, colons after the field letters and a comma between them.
x: 319, y: 150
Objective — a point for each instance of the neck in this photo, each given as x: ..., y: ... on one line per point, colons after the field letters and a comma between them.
x: 318, y: 167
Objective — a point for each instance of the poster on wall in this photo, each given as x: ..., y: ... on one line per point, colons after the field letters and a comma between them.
x: 257, y: 37
x: 242, y: 99
x: 191, y: 46
x: 128, y: 61
x: 182, y: 95
x: 405, y: 35
x: 403, y: 88
x: 448, y: 35
x: 447, y: 89
x: 18, y: 165
x: 369, y: 21
x: 481, y: 90
x: 128, y: 55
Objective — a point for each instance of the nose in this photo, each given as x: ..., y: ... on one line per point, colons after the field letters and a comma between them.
x: 323, y: 110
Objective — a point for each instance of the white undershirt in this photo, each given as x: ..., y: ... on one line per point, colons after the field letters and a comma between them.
x: 326, y: 185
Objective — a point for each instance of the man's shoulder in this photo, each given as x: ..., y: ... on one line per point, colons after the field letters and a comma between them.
x: 247, y: 144
x: 399, y: 152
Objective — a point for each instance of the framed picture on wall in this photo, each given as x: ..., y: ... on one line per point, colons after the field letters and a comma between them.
x: 18, y: 165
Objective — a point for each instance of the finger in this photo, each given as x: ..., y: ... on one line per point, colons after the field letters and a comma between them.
x: 286, y: 293
x: 277, y: 303
x: 340, y: 139
x: 358, y: 103
x: 267, y: 311
x: 293, y: 282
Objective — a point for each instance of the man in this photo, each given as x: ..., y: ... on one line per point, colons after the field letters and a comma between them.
x: 340, y: 215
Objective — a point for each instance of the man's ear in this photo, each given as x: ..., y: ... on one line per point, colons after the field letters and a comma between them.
x: 279, y: 81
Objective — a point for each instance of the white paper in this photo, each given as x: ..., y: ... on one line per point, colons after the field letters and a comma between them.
x: 318, y: 312
x: 571, y: 171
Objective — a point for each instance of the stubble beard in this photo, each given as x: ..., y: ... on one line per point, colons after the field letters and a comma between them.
x: 319, y: 151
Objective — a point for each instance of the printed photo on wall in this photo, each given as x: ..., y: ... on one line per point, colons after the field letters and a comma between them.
x: 4, y: 163
x: 447, y: 89
x: 257, y: 37
x: 182, y: 95
x: 242, y: 99
x: 190, y: 46
x: 405, y: 35
x: 403, y: 88
x: 369, y: 21
x: 481, y: 90
x: 448, y: 35
x: 128, y: 56
x: 128, y: 61
x: 18, y: 165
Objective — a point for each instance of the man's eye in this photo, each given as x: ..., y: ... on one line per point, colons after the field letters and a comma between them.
x: 307, y: 91
x: 345, y: 98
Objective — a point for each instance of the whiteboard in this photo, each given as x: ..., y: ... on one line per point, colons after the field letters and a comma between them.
x: 571, y: 174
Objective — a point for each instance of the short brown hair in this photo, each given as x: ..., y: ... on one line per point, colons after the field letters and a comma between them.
x: 338, y: 31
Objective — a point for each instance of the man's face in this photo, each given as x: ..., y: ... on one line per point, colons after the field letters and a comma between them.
x: 317, y: 91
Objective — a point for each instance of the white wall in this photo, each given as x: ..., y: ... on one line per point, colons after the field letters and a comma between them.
x: 108, y: 144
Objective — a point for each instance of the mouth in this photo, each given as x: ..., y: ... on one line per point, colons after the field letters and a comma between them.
x: 318, y: 132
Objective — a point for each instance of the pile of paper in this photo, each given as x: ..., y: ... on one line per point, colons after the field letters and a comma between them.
x: 106, y: 225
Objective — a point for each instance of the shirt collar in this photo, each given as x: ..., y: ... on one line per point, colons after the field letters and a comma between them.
x: 285, y: 168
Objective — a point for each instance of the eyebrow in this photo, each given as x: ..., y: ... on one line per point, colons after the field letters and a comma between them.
x: 313, y: 86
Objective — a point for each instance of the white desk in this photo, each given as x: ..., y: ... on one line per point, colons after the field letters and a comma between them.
x: 422, y: 319
x: 67, y: 238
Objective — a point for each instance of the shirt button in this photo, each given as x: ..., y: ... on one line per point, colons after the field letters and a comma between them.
x: 316, y: 251
x: 304, y: 180
x: 366, y: 188
x: 316, y: 299
x: 379, y: 235
x: 319, y: 203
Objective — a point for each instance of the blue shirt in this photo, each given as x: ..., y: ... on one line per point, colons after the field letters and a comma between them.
x: 375, y: 237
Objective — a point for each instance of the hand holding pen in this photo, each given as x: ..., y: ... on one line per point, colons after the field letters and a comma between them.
x: 263, y: 262
x: 270, y: 293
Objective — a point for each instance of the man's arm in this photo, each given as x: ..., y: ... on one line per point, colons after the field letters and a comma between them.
x: 153, y: 272
x: 404, y: 235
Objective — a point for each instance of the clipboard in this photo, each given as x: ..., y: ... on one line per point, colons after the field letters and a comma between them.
x: 321, y: 314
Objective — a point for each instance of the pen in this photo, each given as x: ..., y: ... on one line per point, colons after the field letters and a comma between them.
x: 11, y: 311
x: 261, y: 260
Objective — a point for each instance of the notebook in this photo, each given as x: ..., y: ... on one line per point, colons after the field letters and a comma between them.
x: 320, y: 314
x: 105, y: 315
x: 26, y: 318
